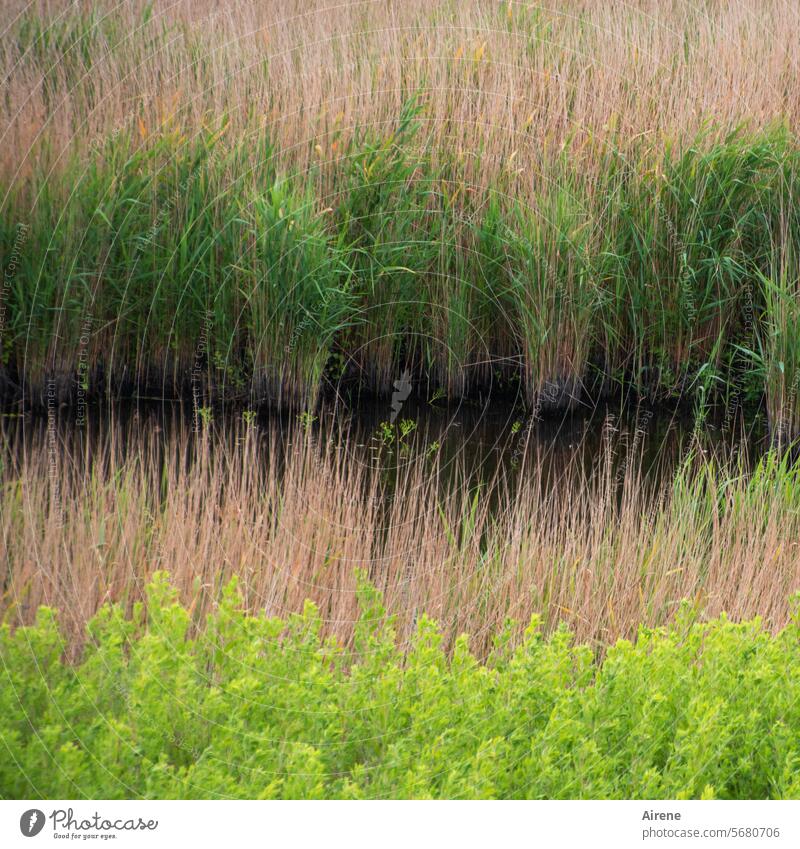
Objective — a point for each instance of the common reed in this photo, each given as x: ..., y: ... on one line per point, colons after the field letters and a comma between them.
x: 261, y: 199
x: 508, y: 79
x: 297, y: 516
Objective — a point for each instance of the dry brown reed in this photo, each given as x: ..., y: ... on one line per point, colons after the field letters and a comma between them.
x: 508, y: 93
x: 505, y: 83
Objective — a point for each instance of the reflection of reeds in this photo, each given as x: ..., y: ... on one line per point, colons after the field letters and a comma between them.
x: 297, y: 520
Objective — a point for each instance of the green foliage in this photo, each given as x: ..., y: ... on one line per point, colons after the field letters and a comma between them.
x: 255, y: 707
x: 298, y: 296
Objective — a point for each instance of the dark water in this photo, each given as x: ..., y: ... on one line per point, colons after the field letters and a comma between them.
x: 479, y: 441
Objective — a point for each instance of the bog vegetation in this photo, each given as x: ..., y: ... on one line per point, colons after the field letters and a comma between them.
x: 281, y: 202
x: 262, y: 203
x: 257, y: 707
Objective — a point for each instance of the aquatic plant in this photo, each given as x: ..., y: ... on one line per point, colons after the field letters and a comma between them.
x: 454, y: 190
x: 250, y: 706
x: 293, y: 514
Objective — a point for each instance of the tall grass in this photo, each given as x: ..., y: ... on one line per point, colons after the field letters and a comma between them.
x: 187, y: 258
x: 297, y: 518
x: 263, y: 203
x: 500, y: 78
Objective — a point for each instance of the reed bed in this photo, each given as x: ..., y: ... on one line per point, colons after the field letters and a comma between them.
x: 505, y: 77
x: 296, y: 518
x: 265, y: 201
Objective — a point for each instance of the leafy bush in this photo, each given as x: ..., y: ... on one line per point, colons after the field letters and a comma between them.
x: 249, y: 706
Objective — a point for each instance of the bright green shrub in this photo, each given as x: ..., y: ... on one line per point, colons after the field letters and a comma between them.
x: 262, y: 708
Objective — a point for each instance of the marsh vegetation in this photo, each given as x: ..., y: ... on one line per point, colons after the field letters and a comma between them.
x: 483, y: 320
x: 499, y: 199
x: 583, y: 537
